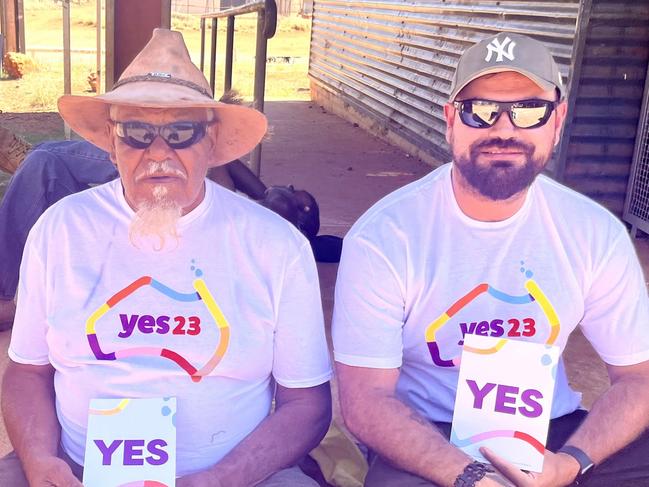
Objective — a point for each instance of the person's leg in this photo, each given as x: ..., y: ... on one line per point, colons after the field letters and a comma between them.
x: 11, y: 471
x: 244, y: 180
x: 12, y: 474
x: 51, y: 171
x: 7, y: 313
x: 292, y: 476
x: 381, y: 474
x: 627, y: 468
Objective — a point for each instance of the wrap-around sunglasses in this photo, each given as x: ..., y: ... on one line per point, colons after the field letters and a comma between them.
x: 177, y: 135
x: 525, y: 114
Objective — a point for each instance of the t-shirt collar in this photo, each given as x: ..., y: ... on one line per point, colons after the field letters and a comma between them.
x: 467, y: 220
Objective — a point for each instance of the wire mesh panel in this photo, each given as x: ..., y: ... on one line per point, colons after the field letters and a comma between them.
x: 636, y: 209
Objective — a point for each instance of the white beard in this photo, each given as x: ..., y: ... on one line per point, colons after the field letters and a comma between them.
x: 155, y: 221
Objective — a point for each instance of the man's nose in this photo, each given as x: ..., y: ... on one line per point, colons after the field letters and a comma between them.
x: 503, y: 125
x: 158, y: 148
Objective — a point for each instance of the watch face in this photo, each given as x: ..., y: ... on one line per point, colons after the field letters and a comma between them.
x: 586, y: 469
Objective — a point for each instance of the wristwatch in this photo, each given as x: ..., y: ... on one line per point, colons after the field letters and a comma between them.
x: 585, y: 463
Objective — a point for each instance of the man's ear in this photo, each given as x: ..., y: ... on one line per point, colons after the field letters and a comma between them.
x: 110, y: 135
x: 449, y: 115
x: 560, y: 118
x: 212, y: 135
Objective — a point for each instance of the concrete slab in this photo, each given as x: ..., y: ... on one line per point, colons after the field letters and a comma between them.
x: 348, y: 170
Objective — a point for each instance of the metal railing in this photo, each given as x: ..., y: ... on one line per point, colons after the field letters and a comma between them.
x: 266, y: 26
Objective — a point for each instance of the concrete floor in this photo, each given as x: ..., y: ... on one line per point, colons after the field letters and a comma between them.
x: 348, y: 170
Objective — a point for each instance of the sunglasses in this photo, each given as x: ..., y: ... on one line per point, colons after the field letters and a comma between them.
x: 177, y: 135
x: 524, y: 114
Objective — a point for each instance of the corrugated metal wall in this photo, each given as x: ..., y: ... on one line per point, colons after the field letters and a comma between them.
x: 611, y: 72
x: 388, y: 64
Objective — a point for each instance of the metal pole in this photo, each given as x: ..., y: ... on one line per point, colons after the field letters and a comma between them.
x: 260, y: 84
x: 99, y: 46
x: 202, y: 44
x: 213, y: 54
x: 20, y: 21
x: 67, y: 80
x: 229, y: 49
x: 260, y: 62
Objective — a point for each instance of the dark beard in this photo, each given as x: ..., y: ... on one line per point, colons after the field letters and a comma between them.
x: 501, y: 179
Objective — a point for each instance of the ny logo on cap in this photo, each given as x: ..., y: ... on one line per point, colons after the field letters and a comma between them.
x: 495, y: 47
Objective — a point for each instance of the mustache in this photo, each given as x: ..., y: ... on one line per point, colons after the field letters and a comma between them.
x: 500, y: 143
x: 163, y: 168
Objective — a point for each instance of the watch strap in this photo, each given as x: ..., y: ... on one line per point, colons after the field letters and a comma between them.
x: 585, y: 463
x: 471, y: 474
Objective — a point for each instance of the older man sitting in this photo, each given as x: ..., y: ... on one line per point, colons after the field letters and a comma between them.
x: 163, y: 241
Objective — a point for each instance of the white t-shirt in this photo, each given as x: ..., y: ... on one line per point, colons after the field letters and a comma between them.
x: 417, y: 273
x: 119, y: 321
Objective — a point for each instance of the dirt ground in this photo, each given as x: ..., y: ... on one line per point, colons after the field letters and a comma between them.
x: 34, y: 127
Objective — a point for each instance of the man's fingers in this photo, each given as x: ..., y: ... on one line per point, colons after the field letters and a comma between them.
x: 507, y: 469
x: 61, y: 475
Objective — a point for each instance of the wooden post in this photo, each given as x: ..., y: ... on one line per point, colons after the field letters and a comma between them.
x: 99, y: 70
x: 129, y: 25
x: 67, y: 79
x: 10, y: 25
x: 109, y: 71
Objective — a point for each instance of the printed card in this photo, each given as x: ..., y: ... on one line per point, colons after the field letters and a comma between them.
x: 131, y: 443
x: 504, y: 398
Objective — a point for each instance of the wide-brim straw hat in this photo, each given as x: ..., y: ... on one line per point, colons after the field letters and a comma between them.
x: 162, y: 75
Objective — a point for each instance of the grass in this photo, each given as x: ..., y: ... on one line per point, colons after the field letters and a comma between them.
x: 39, y: 89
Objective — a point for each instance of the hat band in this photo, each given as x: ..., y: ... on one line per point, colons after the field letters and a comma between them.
x: 163, y: 79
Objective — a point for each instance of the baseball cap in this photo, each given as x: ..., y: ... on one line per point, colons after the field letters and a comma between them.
x: 508, y: 51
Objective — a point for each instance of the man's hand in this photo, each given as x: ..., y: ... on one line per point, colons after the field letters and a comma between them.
x: 494, y: 479
x: 559, y: 470
x: 52, y: 472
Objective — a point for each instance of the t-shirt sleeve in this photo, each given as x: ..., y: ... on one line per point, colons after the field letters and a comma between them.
x: 616, y: 311
x: 300, y: 355
x: 29, y: 334
x: 369, y: 308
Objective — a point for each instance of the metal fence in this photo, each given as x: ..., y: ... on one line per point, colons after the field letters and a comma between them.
x: 636, y: 210
x: 284, y: 7
x: 201, y: 6
x: 392, y: 61
x: 266, y: 27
